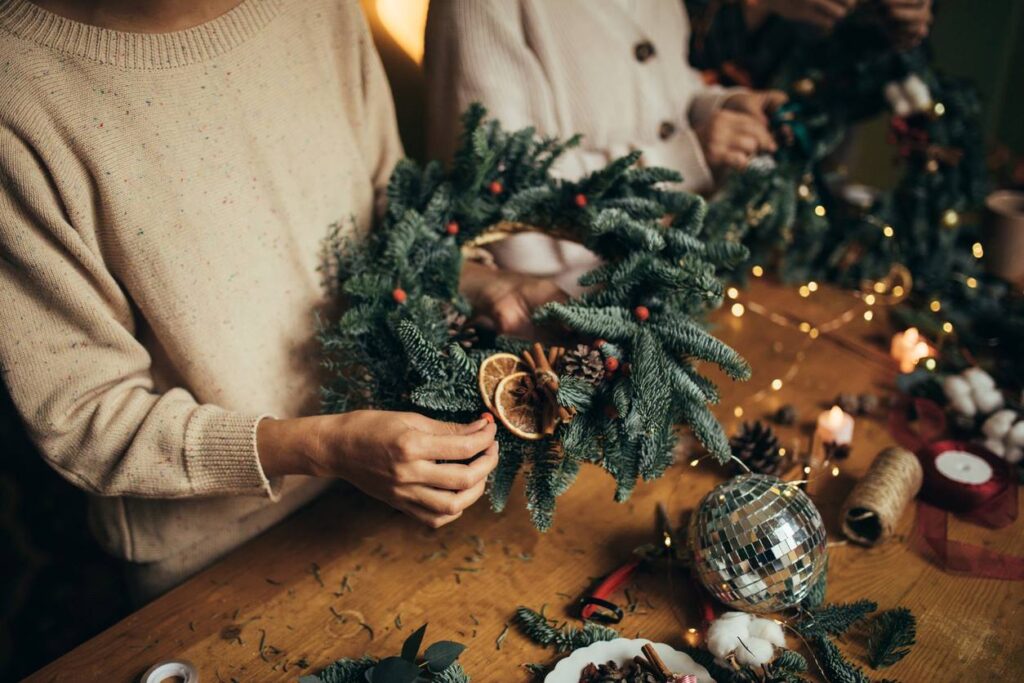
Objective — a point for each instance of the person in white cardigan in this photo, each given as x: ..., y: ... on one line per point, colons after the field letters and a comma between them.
x: 616, y: 71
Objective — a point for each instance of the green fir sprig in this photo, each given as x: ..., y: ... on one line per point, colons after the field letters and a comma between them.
x: 834, y: 620
x: 892, y: 634
x: 564, y: 638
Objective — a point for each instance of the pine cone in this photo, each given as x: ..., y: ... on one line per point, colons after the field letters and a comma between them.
x: 459, y: 329
x: 584, y: 363
x: 758, y: 448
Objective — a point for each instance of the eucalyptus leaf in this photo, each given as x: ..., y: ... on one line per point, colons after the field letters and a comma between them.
x: 442, y: 654
x: 393, y: 670
x: 411, y: 646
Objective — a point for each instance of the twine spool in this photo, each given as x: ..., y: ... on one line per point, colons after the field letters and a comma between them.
x: 877, y: 502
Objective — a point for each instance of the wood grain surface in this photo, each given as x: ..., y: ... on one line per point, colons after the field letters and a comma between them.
x: 348, y: 576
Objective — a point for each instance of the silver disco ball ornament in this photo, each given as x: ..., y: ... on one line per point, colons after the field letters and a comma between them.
x: 758, y: 544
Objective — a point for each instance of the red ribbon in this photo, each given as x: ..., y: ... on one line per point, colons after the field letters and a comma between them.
x: 992, y: 504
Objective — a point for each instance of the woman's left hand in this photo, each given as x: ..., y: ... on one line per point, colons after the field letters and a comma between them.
x: 508, y: 299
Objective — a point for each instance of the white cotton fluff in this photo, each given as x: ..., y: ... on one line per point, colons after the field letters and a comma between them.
x: 955, y: 386
x: 979, y: 380
x: 897, y: 100
x: 1013, y: 455
x: 725, y: 632
x: 917, y: 92
x: 997, y: 446
x: 988, y: 401
x: 998, y: 424
x: 766, y: 629
x: 964, y: 405
x: 1016, y: 435
x: 754, y: 652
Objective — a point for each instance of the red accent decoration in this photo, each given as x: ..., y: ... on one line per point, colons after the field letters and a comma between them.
x: 609, y: 585
x: 487, y: 416
x: 642, y: 313
x: 611, y: 364
x: 452, y: 228
x: 399, y: 295
x: 496, y: 187
x: 992, y: 504
x: 599, y: 343
x: 581, y: 200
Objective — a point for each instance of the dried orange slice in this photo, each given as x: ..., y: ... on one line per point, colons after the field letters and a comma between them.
x: 516, y: 406
x: 494, y: 369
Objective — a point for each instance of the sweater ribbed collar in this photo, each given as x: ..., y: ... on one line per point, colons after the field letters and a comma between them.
x: 137, y: 50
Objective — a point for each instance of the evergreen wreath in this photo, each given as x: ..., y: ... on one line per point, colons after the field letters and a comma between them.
x: 393, y: 347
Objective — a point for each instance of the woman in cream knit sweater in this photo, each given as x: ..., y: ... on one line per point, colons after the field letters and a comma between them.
x: 168, y: 171
x: 614, y: 70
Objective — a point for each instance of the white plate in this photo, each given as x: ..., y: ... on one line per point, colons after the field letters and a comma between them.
x: 620, y: 651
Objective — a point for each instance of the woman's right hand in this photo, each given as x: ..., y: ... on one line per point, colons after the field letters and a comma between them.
x: 391, y: 456
x: 730, y: 139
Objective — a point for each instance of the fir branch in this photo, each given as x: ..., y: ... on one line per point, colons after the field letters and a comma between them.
x: 835, y: 619
x: 564, y: 638
x: 836, y: 667
x: 892, y: 634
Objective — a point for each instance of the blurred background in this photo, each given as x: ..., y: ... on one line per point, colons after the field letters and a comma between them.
x: 57, y: 589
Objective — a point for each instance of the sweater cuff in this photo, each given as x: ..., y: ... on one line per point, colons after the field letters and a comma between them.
x: 709, y: 101
x: 221, y: 457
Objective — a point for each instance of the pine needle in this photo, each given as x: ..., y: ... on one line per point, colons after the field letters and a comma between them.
x: 893, y: 633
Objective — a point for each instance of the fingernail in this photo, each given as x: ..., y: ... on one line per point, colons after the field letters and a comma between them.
x: 486, y: 417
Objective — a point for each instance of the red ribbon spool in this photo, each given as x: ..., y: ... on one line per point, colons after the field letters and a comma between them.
x: 958, y: 496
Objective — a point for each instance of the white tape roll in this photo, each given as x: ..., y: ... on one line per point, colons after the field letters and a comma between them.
x: 163, y: 671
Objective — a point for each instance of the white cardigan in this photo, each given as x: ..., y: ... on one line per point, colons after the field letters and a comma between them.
x: 616, y: 71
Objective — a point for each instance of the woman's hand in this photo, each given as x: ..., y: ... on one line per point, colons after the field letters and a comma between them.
x: 756, y: 103
x: 911, y: 19
x: 821, y: 13
x: 508, y: 299
x: 391, y: 456
x: 730, y: 139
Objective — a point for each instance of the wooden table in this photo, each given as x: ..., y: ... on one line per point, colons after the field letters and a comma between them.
x: 348, y: 575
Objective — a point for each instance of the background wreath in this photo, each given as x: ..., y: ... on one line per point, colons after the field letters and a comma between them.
x: 626, y: 372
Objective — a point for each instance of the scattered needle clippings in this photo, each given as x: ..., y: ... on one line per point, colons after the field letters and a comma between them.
x: 501, y: 637
x: 314, y: 569
x: 398, y: 621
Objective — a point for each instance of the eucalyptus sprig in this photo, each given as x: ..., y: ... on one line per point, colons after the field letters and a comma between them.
x: 438, y: 664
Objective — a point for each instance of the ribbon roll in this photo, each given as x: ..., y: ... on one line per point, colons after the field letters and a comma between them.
x: 879, y: 499
x: 175, y: 670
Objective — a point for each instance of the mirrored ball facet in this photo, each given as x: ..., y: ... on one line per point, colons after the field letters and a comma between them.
x: 758, y: 544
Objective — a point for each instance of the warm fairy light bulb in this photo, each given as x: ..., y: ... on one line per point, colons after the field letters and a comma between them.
x: 879, y: 287
x: 939, y: 109
x: 868, y: 315
x: 807, y: 469
x: 819, y: 211
x: 897, y: 290
x: 835, y: 471
x: 737, y: 411
x: 929, y: 363
x: 813, y: 334
x: 805, y: 291
x: 977, y: 250
x: 737, y: 309
x: 757, y: 271
x: 782, y: 452
x: 805, y: 327
x: 972, y: 282
x: 776, y: 384
x: 935, y: 305
x: 888, y: 231
x: 813, y: 286
x: 694, y: 462
x: 869, y: 299
x: 732, y: 292
x: 947, y: 327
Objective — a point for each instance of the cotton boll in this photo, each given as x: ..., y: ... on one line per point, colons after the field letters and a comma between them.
x: 964, y: 405
x: 724, y: 635
x: 896, y: 99
x: 998, y: 424
x: 955, y: 387
x: 997, y: 446
x: 766, y: 629
x: 917, y: 92
x: 1013, y: 455
x: 1016, y: 435
x: 754, y: 652
x: 742, y: 616
x: 979, y: 379
x: 988, y: 401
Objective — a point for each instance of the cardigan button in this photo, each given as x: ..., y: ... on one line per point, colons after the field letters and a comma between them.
x: 644, y: 50
x: 666, y: 130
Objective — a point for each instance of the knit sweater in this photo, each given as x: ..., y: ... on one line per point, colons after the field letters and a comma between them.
x: 163, y: 201
x: 616, y: 72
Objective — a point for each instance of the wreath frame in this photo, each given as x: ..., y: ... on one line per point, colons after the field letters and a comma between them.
x: 391, y: 350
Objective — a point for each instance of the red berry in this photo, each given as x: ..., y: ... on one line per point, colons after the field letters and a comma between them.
x: 599, y: 343
x: 452, y: 228
x: 581, y: 200
x: 496, y: 187
x: 399, y: 295
x: 642, y: 313
x: 611, y: 363
x: 487, y: 416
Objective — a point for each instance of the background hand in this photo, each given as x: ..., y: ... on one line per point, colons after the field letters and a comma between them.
x: 392, y: 456
x: 911, y: 19
x: 730, y: 139
x: 824, y: 14
x: 508, y: 299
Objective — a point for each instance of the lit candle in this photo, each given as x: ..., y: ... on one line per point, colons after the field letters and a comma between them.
x: 908, y: 348
x: 835, y: 427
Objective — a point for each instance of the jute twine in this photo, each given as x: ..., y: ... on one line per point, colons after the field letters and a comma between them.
x: 877, y: 502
